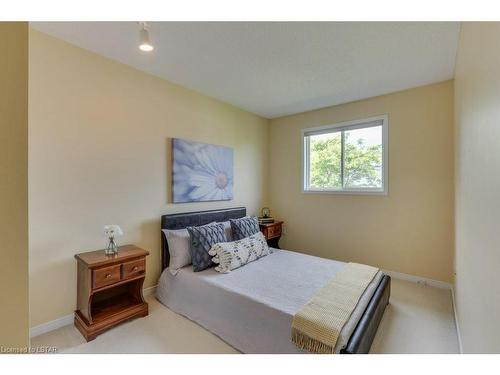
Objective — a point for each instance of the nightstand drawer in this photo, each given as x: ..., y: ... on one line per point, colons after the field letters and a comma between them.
x: 274, y: 231
x: 134, y: 268
x: 106, y: 276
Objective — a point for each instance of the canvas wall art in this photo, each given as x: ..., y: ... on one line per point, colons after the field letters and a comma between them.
x: 201, y: 172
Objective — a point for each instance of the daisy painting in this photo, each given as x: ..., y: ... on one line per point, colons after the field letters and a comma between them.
x: 201, y: 172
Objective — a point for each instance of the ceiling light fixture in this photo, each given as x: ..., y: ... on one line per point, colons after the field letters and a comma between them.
x: 144, y: 41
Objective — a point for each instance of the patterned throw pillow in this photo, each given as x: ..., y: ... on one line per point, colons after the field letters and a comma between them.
x: 202, y: 239
x: 231, y: 255
x: 244, y: 227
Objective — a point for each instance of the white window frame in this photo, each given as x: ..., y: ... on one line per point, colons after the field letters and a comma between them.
x: 348, y: 125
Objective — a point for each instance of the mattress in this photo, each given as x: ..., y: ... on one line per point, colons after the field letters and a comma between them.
x: 252, y: 307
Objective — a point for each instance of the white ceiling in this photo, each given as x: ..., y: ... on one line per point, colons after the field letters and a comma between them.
x: 276, y: 69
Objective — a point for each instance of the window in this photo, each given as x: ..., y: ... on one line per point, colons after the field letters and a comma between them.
x: 350, y: 157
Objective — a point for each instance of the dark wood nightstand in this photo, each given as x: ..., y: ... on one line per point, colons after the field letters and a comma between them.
x: 272, y: 232
x: 109, y: 289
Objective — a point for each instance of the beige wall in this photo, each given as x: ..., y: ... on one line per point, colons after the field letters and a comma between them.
x: 477, y: 115
x: 98, y: 135
x: 411, y: 229
x: 14, y: 184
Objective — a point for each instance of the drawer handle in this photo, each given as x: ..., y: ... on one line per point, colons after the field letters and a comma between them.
x: 108, y: 275
x: 135, y: 268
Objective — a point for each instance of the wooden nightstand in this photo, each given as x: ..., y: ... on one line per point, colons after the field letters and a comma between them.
x: 272, y: 232
x: 109, y: 289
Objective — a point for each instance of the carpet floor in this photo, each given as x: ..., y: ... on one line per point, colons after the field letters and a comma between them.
x: 419, y: 319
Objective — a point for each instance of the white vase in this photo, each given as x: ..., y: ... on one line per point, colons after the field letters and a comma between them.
x: 112, y: 248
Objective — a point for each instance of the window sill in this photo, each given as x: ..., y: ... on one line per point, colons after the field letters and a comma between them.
x: 346, y: 192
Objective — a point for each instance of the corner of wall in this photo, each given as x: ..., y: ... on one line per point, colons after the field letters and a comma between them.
x: 14, y: 329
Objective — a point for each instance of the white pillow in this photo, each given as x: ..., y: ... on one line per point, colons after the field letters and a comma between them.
x: 179, y: 248
x: 232, y: 255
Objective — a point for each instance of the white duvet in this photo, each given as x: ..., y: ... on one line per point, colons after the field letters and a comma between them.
x: 252, y: 307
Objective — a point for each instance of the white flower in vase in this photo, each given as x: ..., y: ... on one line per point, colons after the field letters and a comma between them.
x: 111, y: 232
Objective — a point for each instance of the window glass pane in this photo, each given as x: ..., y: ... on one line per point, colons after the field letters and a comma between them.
x: 325, y: 161
x: 363, y: 158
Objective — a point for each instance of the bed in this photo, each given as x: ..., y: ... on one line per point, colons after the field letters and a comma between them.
x: 251, y: 308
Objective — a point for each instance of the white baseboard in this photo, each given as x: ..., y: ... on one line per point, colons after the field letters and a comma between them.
x: 149, y: 291
x: 52, y: 325
x: 68, y: 319
x: 419, y: 279
x: 457, y: 326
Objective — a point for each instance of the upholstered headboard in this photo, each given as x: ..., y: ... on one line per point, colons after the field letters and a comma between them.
x: 183, y: 220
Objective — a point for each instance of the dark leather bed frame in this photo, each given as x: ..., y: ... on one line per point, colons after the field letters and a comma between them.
x: 362, y: 337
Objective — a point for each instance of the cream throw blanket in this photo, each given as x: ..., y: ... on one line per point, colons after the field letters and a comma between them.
x: 317, y: 325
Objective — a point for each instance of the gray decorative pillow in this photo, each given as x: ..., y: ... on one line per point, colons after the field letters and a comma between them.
x: 231, y: 255
x: 202, y: 239
x: 227, y: 230
x: 244, y: 227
